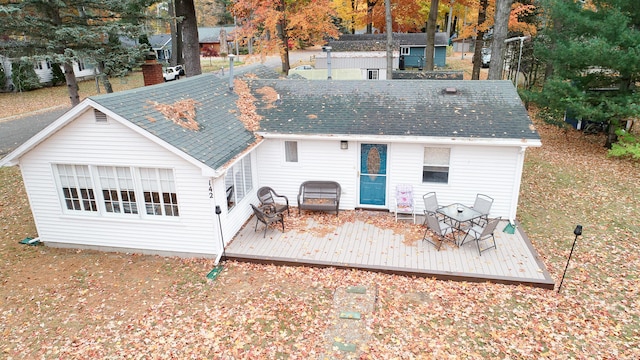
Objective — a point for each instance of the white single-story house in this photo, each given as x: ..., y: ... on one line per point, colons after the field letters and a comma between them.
x: 44, y: 70
x: 144, y: 170
x: 372, y: 65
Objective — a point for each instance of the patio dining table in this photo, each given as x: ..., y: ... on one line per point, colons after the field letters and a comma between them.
x: 459, y: 216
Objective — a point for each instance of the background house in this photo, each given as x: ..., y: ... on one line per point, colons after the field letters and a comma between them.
x: 161, y: 45
x: 212, y: 40
x: 82, y: 68
x: 144, y: 170
x: 216, y: 40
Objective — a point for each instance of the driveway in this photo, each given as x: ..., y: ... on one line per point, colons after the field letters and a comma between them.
x: 16, y: 130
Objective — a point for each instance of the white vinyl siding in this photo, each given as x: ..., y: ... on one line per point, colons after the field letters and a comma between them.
x: 472, y: 169
x: 82, y: 141
x: 319, y: 160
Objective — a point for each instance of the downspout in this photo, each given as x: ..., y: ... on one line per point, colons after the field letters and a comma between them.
x: 517, y: 181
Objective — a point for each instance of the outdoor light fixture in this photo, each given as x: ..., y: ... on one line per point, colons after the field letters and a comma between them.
x: 577, y: 232
x: 344, y: 144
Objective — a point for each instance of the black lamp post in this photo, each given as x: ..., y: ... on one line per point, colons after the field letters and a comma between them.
x: 218, y: 212
x: 577, y: 232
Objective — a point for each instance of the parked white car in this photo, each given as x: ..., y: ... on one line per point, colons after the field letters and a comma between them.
x: 171, y: 73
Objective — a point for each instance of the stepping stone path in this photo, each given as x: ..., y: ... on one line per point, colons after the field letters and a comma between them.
x: 353, y: 307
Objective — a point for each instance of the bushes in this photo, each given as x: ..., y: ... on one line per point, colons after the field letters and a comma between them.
x: 3, y: 78
x: 58, y: 76
x: 24, y: 76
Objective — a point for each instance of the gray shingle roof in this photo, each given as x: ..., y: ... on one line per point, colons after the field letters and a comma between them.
x: 221, y: 135
x: 212, y: 34
x: 377, y: 42
x: 479, y: 109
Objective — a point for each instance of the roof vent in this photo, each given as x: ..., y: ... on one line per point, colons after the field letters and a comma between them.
x: 450, y: 90
x: 100, y: 116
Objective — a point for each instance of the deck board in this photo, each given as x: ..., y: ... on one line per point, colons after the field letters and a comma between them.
x: 364, y: 245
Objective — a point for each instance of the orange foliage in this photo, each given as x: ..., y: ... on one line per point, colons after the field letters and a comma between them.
x: 304, y: 20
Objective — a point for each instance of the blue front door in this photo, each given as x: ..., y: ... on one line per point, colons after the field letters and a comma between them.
x: 373, y: 174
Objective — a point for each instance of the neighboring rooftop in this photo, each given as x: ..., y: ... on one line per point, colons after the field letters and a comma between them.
x: 377, y: 42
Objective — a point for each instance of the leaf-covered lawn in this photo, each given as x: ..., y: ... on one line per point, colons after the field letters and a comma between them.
x: 61, y: 303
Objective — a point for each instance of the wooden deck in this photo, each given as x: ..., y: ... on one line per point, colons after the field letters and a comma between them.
x: 361, y: 243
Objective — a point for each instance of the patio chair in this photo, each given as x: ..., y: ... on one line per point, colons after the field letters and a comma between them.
x: 431, y: 205
x: 266, y: 196
x: 229, y: 192
x: 480, y: 233
x: 267, y: 219
x: 439, y: 228
x: 483, y: 205
x: 405, y: 206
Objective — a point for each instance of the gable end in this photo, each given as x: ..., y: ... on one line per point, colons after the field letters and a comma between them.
x: 101, y: 118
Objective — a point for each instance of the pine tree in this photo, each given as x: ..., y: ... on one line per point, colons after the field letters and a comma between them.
x: 595, y: 61
x: 66, y: 31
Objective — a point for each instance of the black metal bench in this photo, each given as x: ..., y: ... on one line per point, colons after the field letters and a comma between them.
x: 319, y: 196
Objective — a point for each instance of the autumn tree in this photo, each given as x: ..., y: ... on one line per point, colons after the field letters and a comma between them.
x: 213, y: 12
x: 595, y: 62
x: 67, y: 31
x: 279, y: 24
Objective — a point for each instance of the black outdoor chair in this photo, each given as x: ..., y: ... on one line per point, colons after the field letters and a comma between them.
x: 267, y: 219
x: 267, y: 196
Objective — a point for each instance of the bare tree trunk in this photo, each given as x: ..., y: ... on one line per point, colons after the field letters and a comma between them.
x: 72, y: 83
x: 477, y: 52
x: 186, y: 9
x: 176, y: 36
x: 281, y: 32
x: 104, y: 78
x: 431, y: 35
x: 500, y: 29
x: 389, y: 22
x: 370, y: 5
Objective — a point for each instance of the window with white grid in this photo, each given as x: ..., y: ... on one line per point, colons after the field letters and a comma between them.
x: 118, y: 190
x: 159, y: 192
x: 77, y: 187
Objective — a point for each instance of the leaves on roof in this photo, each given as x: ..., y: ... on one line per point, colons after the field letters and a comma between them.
x: 269, y: 96
x: 181, y: 112
x: 246, y: 104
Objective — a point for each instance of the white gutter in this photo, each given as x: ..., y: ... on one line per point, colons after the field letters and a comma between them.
x: 409, y: 139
